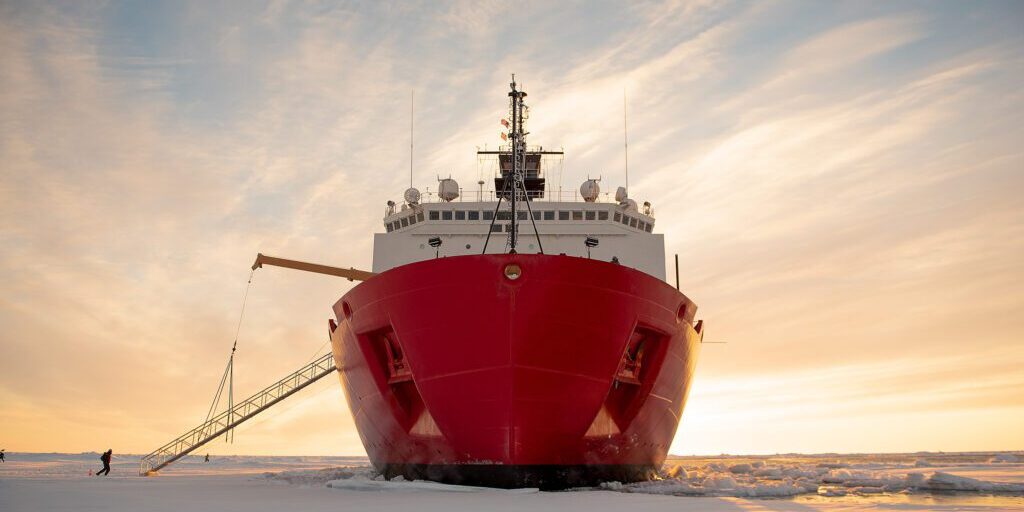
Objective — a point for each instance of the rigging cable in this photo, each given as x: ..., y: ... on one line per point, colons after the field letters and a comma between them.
x: 229, y: 372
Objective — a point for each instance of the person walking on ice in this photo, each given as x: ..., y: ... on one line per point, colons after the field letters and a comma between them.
x: 106, y: 462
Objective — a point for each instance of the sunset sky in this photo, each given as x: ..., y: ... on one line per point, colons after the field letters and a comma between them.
x: 843, y: 183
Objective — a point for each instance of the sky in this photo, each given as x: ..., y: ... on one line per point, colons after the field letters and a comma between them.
x: 842, y: 182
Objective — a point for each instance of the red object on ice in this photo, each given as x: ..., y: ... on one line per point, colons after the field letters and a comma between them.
x: 573, y: 371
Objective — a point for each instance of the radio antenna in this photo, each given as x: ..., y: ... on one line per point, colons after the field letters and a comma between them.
x: 412, y: 110
x: 625, y: 137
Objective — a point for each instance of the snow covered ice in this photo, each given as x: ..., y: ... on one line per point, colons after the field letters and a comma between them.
x: 936, y: 481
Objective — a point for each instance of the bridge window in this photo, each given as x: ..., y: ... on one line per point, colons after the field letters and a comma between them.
x: 460, y: 215
x: 434, y: 215
x: 446, y: 215
x: 625, y: 220
x: 505, y: 215
x: 521, y: 215
x: 649, y: 227
x: 419, y: 216
x: 388, y: 226
x: 405, y: 221
x: 508, y: 228
x: 632, y: 223
x: 618, y: 217
x: 577, y: 215
x: 642, y: 226
x: 473, y: 215
x: 602, y: 215
x: 488, y: 215
x: 549, y: 215
x: 412, y: 219
x: 536, y: 215
x: 591, y: 215
x: 563, y: 215
x: 495, y: 228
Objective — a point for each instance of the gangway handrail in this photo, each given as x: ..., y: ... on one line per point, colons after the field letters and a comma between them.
x: 229, y: 419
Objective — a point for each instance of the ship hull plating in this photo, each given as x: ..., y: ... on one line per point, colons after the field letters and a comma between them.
x: 574, y: 372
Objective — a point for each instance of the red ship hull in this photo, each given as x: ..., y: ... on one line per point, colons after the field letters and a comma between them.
x: 574, y: 372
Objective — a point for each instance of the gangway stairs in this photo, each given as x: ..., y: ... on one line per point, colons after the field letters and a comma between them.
x: 234, y: 416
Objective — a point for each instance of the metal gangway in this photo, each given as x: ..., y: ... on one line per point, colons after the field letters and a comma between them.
x: 236, y: 415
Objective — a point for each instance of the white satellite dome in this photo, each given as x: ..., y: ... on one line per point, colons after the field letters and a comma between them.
x: 412, y: 196
x: 448, y: 189
x: 620, y: 194
x: 590, y: 190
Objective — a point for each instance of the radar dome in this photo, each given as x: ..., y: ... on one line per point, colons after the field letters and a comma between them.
x: 448, y: 189
x: 412, y: 196
x: 620, y: 194
x: 590, y: 190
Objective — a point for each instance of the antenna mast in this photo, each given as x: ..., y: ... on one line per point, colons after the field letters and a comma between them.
x: 513, y: 177
x: 412, y: 107
x: 517, y: 153
x: 625, y: 137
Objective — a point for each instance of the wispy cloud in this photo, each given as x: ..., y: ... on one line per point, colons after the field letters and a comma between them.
x: 840, y: 185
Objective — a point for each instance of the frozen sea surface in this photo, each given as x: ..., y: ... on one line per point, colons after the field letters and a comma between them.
x: 926, y: 481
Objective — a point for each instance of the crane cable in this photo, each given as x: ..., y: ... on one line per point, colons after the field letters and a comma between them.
x: 229, y: 372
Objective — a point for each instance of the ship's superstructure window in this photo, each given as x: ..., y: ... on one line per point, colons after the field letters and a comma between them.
x: 495, y: 228
x: 411, y: 216
x: 508, y: 228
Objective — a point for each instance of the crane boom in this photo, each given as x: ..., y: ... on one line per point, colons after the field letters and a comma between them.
x: 350, y: 273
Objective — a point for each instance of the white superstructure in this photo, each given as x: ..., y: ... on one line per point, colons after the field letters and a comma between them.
x: 623, y: 232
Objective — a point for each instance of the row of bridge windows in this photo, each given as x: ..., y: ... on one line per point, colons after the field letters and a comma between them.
x: 488, y: 215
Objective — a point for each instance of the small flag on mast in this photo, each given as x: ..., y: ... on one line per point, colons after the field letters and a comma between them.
x: 504, y: 123
x: 503, y: 136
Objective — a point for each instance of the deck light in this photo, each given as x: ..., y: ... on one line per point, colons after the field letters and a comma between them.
x: 590, y: 242
x: 435, y: 242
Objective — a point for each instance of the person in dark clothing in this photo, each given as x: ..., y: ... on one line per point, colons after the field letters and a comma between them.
x: 106, y: 462
x: 207, y: 458
x: 2, y: 459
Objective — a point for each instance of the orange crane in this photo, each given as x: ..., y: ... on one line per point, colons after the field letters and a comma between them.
x: 351, y: 274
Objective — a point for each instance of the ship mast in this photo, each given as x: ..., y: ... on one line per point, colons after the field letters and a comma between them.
x: 518, y: 148
x: 520, y: 179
